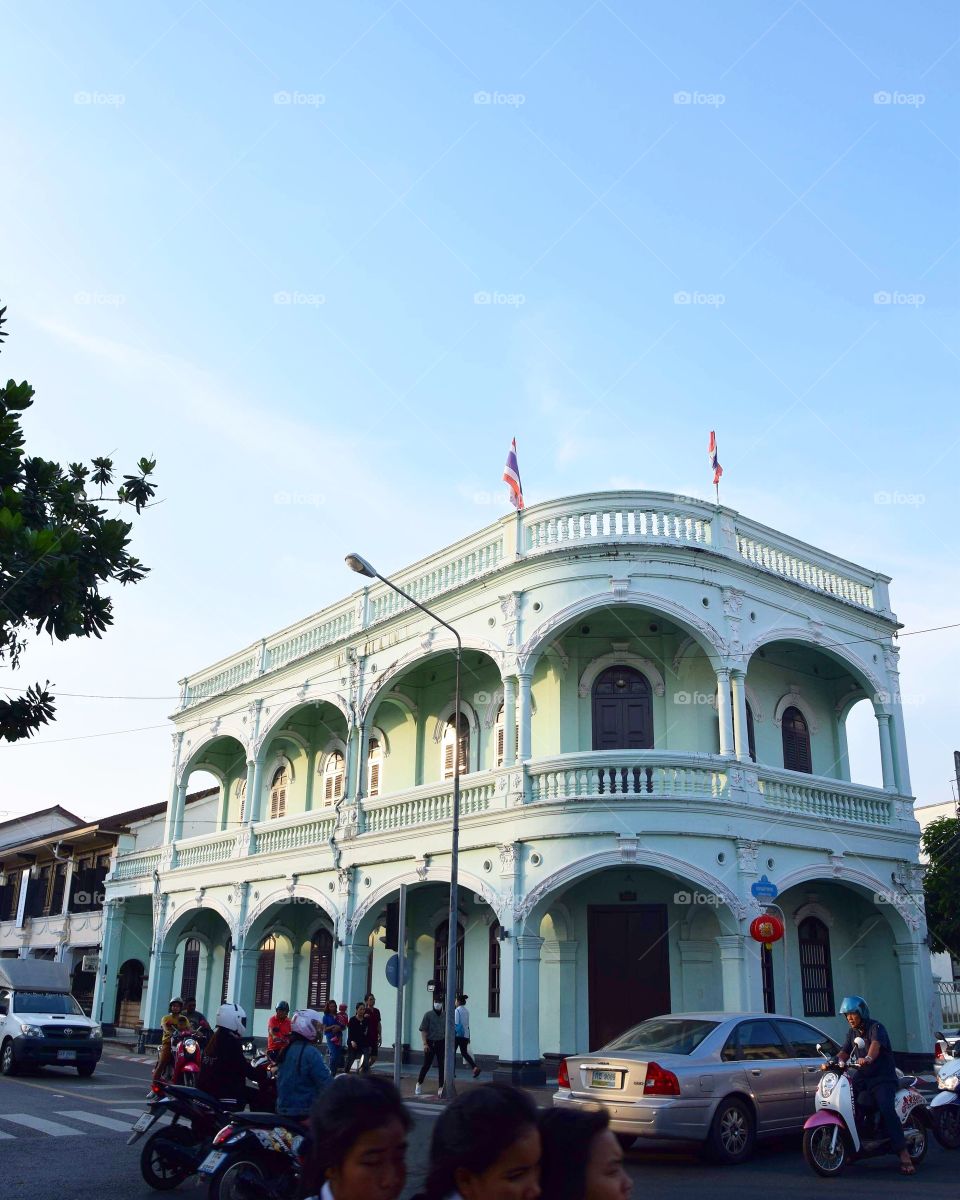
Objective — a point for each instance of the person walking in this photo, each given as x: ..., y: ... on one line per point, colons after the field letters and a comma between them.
x: 582, y: 1159
x: 358, y: 1142
x: 333, y: 1033
x: 278, y: 1031
x: 433, y: 1035
x: 485, y: 1146
x: 357, y: 1039
x: 374, y: 1028
x: 461, y: 1025
x: 301, y: 1071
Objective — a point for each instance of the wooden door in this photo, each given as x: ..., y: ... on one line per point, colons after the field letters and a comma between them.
x: 628, y: 967
x: 622, y: 710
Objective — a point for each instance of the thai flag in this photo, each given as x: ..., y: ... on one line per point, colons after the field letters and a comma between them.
x: 511, y: 477
x: 714, y: 461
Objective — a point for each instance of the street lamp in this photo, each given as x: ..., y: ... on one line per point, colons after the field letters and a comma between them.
x: 359, y: 564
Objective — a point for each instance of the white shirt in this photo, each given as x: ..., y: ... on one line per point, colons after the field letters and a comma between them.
x: 461, y: 1017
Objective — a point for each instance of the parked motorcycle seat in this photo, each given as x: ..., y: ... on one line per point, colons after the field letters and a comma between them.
x: 271, y: 1119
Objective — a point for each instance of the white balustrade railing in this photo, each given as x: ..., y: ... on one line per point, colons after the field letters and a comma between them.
x: 949, y: 996
x: 817, y: 796
x: 136, y: 865
x: 615, y: 518
x: 206, y: 850
x: 614, y: 775
x: 429, y: 804
x: 297, y: 834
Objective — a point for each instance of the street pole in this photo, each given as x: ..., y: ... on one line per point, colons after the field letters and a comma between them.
x: 356, y: 563
x: 401, y: 967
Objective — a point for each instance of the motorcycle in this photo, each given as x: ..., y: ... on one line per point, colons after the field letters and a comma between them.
x: 834, y: 1136
x: 187, y: 1051
x: 945, y: 1106
x: 256, y: 1156
x: 173, y: 1152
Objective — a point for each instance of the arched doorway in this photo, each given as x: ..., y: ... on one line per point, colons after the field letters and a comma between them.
x: 622, y: 710
x: 129, y: 994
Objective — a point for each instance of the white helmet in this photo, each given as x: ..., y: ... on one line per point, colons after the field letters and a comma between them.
x: 232, y: 1017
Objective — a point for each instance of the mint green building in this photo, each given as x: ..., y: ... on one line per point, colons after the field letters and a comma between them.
x: 654, y: 707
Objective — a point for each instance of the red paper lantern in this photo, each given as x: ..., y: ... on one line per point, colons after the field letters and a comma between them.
x: 766, y: 929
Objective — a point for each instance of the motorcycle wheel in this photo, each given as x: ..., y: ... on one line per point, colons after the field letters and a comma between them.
x: 155, y: 1167
x: 920, y: 1144
x: 817, y: 1151
x: 230, y: 1180
x: 946, y: 1126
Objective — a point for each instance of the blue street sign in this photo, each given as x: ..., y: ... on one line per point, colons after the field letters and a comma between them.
x: 393, y: 970
x: 764, y: 891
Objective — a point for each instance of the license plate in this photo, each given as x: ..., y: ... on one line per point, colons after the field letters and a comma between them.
x: 140, y: 1127
x: 211, y: 1162
x: 603, y: 1079
x: 66, y: 1056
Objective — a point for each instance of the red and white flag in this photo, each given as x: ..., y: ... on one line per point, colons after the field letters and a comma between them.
x: 714, y: 461
x: 511, y: 477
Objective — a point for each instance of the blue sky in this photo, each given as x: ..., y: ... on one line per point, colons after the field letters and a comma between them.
x: 253, y: 242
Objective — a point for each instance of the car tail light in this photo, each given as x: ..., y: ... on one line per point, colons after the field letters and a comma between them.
x: 660, y: 1082
x: 563, y: 1075
x: 225, y: 1132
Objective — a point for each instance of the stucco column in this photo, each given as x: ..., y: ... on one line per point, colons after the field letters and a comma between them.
x: 352, y: 984
x: 176, y: 825
x: 916, y: 980
x: 67, y: 886
x: 741, y: 739
x: 564, y: 955
x: 520, y: 1010
x: 255, y: 796
x: 509, y: 721
x: 524, y: 679
x: 160, y: 988
x: 886, y: 752
x: 732, y: 971
x: 243, y: 980
x: 105, y: 988
x: 724, y: 711
x: 251, y: 791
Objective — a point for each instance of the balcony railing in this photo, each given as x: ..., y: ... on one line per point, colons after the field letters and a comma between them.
x: 430, y: 804
x: 949, y: 997
x: 816, y: 796
x: 620, y: 519
x: 614, y: 775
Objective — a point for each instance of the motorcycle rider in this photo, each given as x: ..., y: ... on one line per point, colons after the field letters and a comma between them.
x: 278, y: 1031
x: 196, y: 1018
x: 173, y: 1022
x: 302, y: 1072
x: 875, y: 1082
x: 224, y: 1069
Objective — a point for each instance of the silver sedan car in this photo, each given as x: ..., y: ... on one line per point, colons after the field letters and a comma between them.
x: 723, y: 1079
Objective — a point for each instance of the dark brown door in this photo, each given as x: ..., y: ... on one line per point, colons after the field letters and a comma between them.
x: 622, y: 711
x: 629, y: 968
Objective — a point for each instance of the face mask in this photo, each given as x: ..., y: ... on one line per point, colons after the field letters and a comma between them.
x: 437, y: 1007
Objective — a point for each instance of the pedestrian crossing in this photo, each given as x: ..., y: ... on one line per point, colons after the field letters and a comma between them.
x: 74, y: 1122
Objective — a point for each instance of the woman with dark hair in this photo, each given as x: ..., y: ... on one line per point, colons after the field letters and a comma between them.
x: 486, y: 1146
x: 582, y: 1158
x: 359, y: 1142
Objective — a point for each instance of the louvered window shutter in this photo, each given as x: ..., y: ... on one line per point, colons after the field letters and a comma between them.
x: 500, y: 736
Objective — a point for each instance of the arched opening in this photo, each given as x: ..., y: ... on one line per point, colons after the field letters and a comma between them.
x: 211, y: 778
x: 320, y: 969
x: 333, y: 777
x: 191, y: 969
x: 374, y: 768
x: 440, y: 951
x: 129, y: 994
x: 622, y: 710
x: 263, y: 986
x: 447, y: 747
x: 225, y: 978
x: 816, y: 968
x: 795, y: 734
x: 278, y: 793
x: 493, y: 970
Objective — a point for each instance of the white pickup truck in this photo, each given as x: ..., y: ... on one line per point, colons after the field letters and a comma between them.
x: 40, y: 1022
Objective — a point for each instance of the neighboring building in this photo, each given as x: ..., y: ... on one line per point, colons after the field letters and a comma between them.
x: 52, y: 872
x: 655, y: 693
x: 945, y: 967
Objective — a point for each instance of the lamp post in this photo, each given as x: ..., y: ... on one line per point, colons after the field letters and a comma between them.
x: 356, y: 563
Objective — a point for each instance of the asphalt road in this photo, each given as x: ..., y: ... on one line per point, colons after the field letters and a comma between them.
x: 64, y: 1138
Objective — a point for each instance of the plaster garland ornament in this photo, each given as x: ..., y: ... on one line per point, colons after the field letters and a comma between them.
x: 243, y: 841
x: 198, y: 896
x: 344, y: 879
x: 509, y: 857
x: 423, y: 867
x: 629, y: 847
x: 836, y: 863
x: 748, y: 856
x: 731, y: 600
x: 291, y: 886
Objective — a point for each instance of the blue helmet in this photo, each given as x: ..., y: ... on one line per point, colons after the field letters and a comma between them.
x: 855, y: 1004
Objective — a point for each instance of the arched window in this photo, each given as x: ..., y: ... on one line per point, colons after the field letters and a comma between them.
x: 225, y: 984
x: 321, y: 957
x: 191, y: 969
x: 333, y: 776
x: 374, y: 767
x: 240, y: 791
x: 263, y: 989
x: 796, y: 741
x: 500, y: 731
x: 751, y: 736
x: 493, y: 971
x: 446, y: 747
x: 816, y: 971
x: 622, y: 710
x: 440, y: 958
x: 278, y: 794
